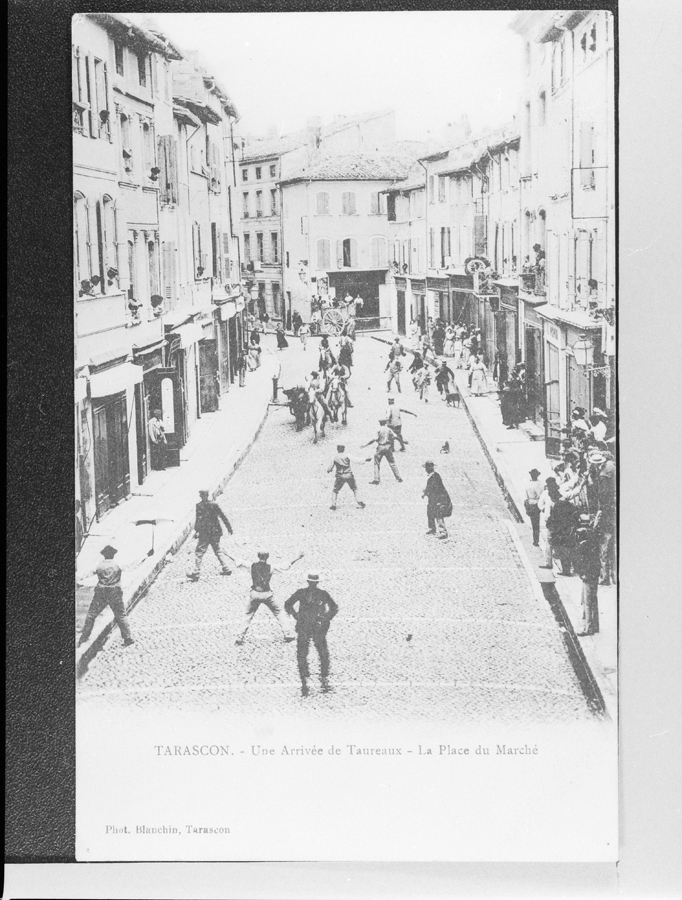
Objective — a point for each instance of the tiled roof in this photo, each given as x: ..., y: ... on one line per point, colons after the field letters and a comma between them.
x: 269, y: 148
x: 356, y: 167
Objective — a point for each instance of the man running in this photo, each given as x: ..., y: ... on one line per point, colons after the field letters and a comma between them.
x: 344, y: 475
x: 303, y: 333
x: 384, y: 442
x: 261, y: 573
x: 395, y: 422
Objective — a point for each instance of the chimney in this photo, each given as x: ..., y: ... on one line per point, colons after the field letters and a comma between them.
x: 313, y: 130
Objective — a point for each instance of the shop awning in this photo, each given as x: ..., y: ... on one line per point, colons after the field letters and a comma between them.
x: 579, y: 319
x: 188, y: 334
x: 115, y: 380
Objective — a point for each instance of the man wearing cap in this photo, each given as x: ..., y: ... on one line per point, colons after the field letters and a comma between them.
x: 439, y: 505
x: 395, y: 422
x: 107, y: 593
x: 208, y: 530
x: 261, y: 593
x: 157, y: 440
x: 384, y: 442
x: 315, y: 611
x: 344, y: 475
x: 394, y: 368
x: 533, y: 491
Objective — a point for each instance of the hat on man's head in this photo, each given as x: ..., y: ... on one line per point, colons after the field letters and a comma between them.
x: 108, y: 552
x: 382, y: 420
x: 391, y: 399
x: 578, y: 411
x: 429, y: 464
x: 263, y: 554
x: 598, y: 412
x: 204, y: 490
x: 158, y: 413
x: 534, y: 472
x: 314, y: 576
x: 596, y: 457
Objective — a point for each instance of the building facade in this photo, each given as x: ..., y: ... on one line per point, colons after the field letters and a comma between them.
x: 145, y: 295
x: 567, y: 188
x: 264, y: 166
x: 336, y: 235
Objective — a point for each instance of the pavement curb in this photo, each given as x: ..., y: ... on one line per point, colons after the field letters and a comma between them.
x: 589, y: 682
x: 499, y: 469
x: 138, y: 591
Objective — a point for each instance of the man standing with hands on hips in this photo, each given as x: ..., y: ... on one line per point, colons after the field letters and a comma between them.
x: 315, y: 611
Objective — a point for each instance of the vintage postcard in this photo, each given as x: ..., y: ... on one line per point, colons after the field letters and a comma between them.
x: 346, y: 443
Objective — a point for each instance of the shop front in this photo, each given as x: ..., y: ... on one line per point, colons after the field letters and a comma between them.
x: 504, y: 344
x: 439, y: 290
x: 554, y: 420
x: 178, y: 383
x: 462, y: 299
x: 419, y: 311
x: 584, y: 388
x: 111, y: 387
x: 533, y: 358
x: 150, y: 359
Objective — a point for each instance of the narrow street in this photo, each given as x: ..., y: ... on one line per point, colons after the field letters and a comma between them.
x: 444, y: 630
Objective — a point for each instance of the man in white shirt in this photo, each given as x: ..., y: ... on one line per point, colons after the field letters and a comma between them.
x: 343, y: 474
x: 395, y: 422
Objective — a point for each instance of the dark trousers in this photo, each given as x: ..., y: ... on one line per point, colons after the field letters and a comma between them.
x: 534, y: 516
x: 398, y: 432
x: 589, y: 607
x: 158, y: 456
x: 106, y: 595
x: 319, y: 640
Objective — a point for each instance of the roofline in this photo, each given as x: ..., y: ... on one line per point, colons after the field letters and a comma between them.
x: 120, y: 26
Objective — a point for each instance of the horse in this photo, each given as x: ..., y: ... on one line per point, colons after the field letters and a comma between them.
x: 317, y: 415
x: 336, y: 400
x: 327, y: 360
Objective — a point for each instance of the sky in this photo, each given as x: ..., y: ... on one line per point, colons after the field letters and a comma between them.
x: 429, y: 66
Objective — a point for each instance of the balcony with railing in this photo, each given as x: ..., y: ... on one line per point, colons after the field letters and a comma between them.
x: 533, y: 282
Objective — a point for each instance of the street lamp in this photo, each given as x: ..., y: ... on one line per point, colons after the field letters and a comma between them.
x: 583, y: 352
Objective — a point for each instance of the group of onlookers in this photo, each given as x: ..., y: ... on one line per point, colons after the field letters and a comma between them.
x: 573, y: 513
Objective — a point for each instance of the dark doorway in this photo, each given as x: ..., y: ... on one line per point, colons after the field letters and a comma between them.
x: 112, y: 464
x: 401, y: 312
x: 534, y: 375
x: 209, y: 376
x: 552, y: 403
x: 141, y: 419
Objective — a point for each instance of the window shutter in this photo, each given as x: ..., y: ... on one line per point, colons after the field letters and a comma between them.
x: 166, y: 269
x: 172, y: 157
x: 353, y: 252
x: 164, y: 177
x: 339, y: 254
x: 480, y: 235
x: 89, y: 92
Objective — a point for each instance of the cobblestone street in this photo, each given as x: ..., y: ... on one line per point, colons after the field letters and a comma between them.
x: 447, y: 630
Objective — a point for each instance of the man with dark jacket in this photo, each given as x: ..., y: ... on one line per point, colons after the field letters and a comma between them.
x: 439, y: 505
x: 315, y: 611
x: 208, y: 530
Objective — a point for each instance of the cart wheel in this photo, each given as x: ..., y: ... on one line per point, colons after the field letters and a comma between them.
x: 332, y: 322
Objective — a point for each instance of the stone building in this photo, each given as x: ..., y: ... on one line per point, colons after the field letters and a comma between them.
x: 567, y: 188
x: 335, y: 231
x: 264, y: 165
x: 144, y: 305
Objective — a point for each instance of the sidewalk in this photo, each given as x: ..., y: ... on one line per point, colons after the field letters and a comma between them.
x: 512, y: 454
x: 218, y: 443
